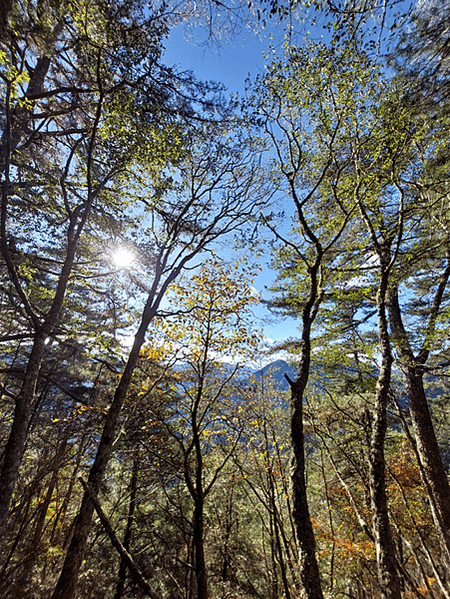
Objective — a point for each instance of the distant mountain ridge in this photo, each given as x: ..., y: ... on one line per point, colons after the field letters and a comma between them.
x: 275, y: 371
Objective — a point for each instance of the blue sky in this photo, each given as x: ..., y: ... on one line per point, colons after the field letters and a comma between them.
x: 232, y: 64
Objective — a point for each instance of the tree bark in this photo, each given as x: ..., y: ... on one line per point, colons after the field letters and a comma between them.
x: 195, y: 485
x: 432, y: 468
x: 198, y: 540
x: 386, y: 562
x: 126, y: 541
x: 309, y: 570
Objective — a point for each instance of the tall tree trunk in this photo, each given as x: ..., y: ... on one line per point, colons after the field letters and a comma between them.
x: 15, y: 446
x: 196, y: 487
x: 66, y: 586
x: 12, y: 457
x: 386, y: 563
x: 309, y: 570
x: 432, y: 468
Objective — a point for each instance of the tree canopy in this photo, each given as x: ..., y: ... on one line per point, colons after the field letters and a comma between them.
x: 152, y: 442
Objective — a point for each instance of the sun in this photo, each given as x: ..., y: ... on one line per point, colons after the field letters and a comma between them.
x: 123, y: 258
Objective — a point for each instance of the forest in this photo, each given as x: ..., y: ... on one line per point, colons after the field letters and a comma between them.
x: 152, y: 443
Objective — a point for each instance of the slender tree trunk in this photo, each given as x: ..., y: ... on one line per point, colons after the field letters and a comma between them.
x: 66, y: 586
x: 199, y: 549
x: 276, y: 534
x: 134, y: 568
x: 197, y: 490
x: 387, y: 573
x: 274, y: 593
x: 330, y: 521
x: 21, y: 582
x: 227, y: 532
x: 436, y: 481
x: 15, y: 446
x: 309, y: 571
x: 14, y: 449
x: 127, y: 538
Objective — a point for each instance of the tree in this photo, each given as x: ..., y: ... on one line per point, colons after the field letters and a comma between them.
x: 90, y: 91
x: 211, y: 325
x: 360, y: 161
x: 61, y: 162
x: 216, y: 194
x: 264, y: 467
x: 384, y: 166
x: 298, y: 94
x: 391, y: 172
x: 425, y: 100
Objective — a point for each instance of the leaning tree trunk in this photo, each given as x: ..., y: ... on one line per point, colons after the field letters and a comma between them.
x: 121, y: 577
x: 67, y: 583
x: 66, y: 586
